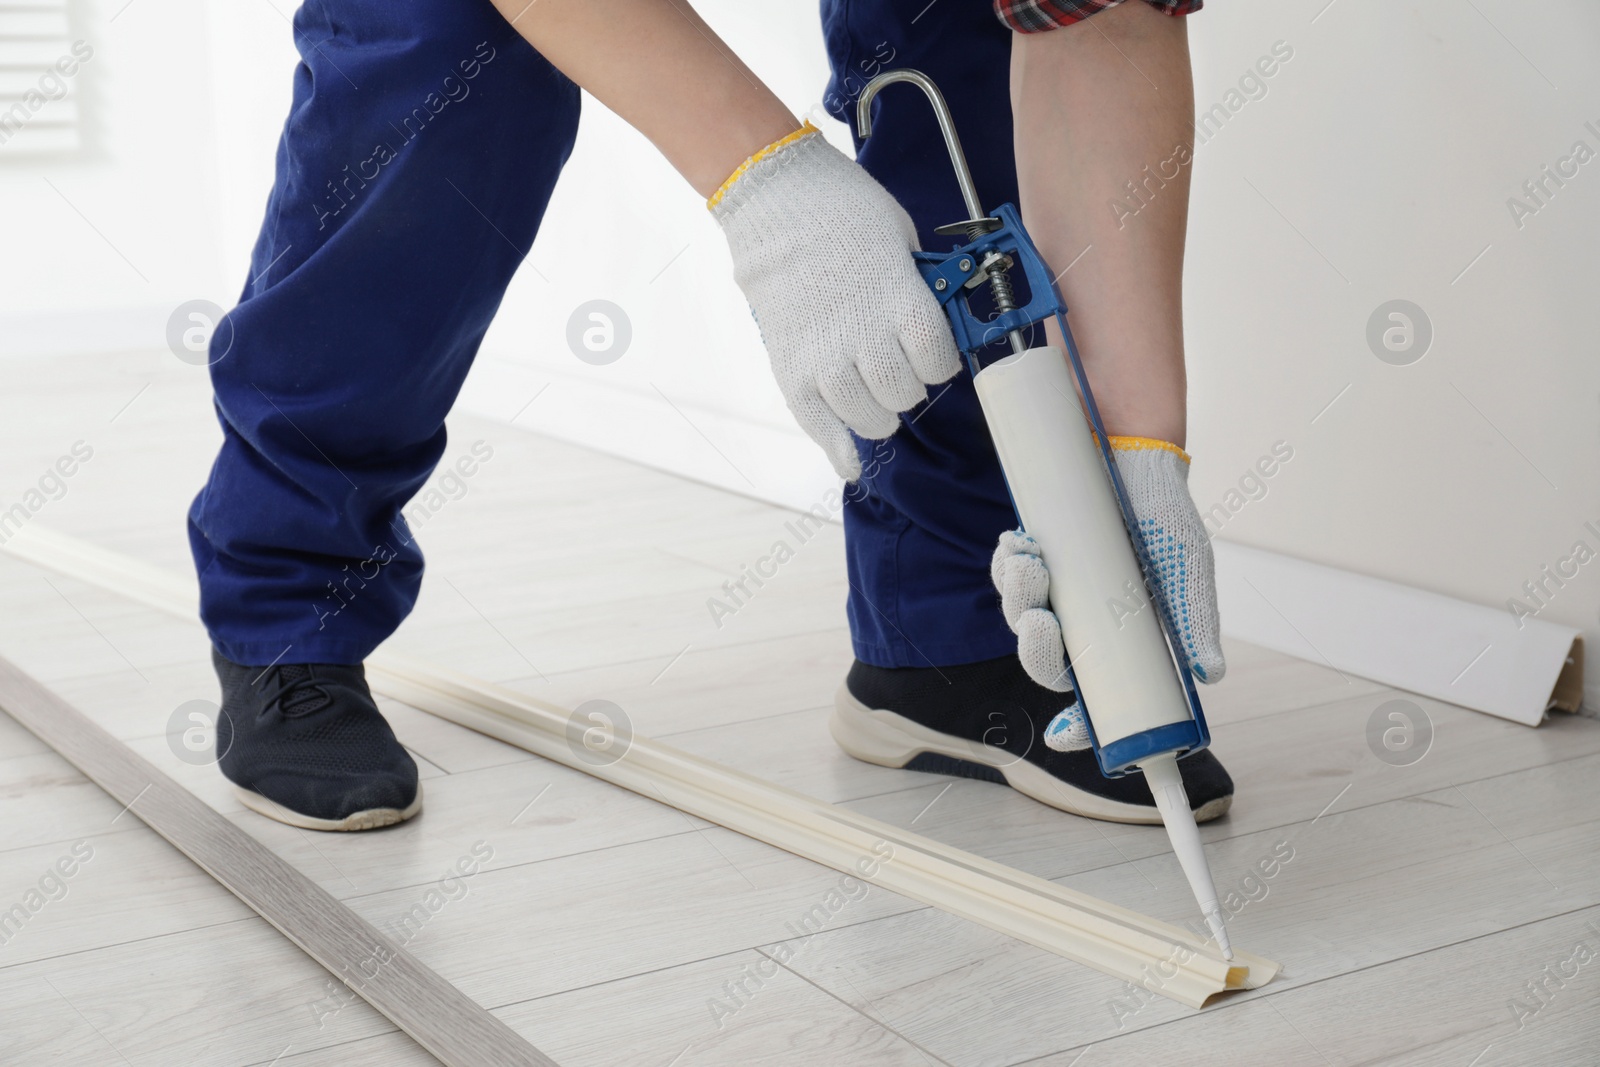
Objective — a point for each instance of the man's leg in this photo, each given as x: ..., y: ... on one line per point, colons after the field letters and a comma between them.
x: 416, y: 163
x: 419, y: 155
x: 937, y: 685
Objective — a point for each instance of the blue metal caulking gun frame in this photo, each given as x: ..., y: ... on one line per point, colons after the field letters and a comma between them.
x: 995, y: 244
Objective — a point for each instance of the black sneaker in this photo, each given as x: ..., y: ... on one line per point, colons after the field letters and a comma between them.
x: 985, y: 720
x: 305, y: 744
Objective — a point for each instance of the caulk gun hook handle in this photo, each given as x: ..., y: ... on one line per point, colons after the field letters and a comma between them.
x: 958, y: 158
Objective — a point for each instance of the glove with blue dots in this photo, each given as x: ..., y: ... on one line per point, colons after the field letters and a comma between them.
x: 1156, y: 476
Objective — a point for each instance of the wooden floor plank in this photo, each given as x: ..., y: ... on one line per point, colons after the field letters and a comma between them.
x: 605, y: 915
x: 1330, y: 749
x: 1363, y: 889
x: 103, y: 889
x: 385, y: 1050
x: 494, y: 819
x: 44, y: 799
x: 729, y: 1011
x: 796, y: 751
x: 1252, y: 1032
x: 222, y: 996
x: 1262, y: 682
x: 434, y: 1013
x: 1530, y: 994
x: 700, y: 685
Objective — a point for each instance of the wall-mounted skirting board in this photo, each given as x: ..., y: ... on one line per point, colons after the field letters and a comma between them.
x: 1118, y: 941
x: 1479, y: 657
x: 437, y: 1015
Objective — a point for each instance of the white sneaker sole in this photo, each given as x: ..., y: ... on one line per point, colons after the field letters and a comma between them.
x: 892, y: 740
x: 371, y: 819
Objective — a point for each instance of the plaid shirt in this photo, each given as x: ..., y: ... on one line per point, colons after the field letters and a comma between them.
x: 1036, y: 16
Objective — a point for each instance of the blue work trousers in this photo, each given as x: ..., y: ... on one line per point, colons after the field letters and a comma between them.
x: 418, y: 158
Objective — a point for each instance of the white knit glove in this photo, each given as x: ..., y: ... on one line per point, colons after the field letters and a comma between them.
x: 823, y: 254
x: 1156, y: 475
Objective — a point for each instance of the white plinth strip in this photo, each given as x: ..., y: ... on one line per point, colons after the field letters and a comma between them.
x: 1479, y: 657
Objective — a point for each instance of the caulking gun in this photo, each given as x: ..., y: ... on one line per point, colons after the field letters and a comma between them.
x: 1129, y: 673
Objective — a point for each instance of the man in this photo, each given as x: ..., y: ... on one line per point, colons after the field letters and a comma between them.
x: 399, y: 217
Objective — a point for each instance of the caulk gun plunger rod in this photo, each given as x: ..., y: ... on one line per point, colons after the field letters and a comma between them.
x: 1166, y: 785
x: 947, y: 127
x: 958, y: 161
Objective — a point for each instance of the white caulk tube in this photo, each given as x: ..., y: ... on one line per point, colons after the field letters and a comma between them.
x: 1127, y: 678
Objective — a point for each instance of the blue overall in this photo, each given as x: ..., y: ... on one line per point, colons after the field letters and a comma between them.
x: 418, y: 158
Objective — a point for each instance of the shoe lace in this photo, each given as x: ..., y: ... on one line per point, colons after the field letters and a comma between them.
x: 293, y: 690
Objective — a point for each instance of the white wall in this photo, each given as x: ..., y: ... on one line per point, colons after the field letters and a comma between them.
x: 1385, y: 151
x: 107, y: 242
x: 1376, y: 166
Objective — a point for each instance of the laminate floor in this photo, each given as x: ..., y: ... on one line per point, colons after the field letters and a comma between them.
x: 1440, y: 911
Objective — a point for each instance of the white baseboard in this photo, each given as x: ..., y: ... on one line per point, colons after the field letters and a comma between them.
x: 1467, y: 654
x: 651, y: 426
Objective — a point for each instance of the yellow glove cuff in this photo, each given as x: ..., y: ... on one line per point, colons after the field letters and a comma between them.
x: 775, y: 146
x: 1147, y: 444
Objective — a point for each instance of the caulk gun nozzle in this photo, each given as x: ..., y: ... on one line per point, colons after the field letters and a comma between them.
x: 1166, y: 786
x: 1220, y: 932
